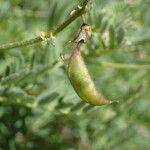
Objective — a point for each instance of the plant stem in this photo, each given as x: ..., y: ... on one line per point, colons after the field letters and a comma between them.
x: 20, y: 43
x: 125, y: 66
x: 78, y: 11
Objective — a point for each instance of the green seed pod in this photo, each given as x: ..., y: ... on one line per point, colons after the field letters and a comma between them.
x: 82, y: 81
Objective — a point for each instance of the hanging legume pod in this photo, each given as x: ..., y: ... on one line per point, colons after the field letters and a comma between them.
x: 82, y: 81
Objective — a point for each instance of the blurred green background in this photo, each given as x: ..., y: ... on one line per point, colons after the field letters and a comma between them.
x: 38, y: 106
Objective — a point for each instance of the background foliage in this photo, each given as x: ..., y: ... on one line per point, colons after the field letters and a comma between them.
x: 39, y: 108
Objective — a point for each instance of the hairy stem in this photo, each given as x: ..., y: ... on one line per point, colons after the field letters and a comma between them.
x: 78, y: 11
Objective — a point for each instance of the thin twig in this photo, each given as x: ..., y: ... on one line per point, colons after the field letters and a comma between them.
x: 125, y: 66
x: 78, y: 11
x: 21, y: 43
